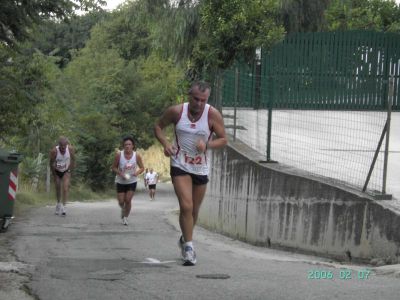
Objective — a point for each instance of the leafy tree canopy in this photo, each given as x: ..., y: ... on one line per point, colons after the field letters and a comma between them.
x: 232, y: 29
x: 380, y: 15
x: 61, y: 39
x: 303, y: 15
x: 17, y: 17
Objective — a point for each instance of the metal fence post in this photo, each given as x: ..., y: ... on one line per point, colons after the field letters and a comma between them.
x: 389, y: 113
x: 269, y: 129
x: 236, y: 97
x: 385, y: 133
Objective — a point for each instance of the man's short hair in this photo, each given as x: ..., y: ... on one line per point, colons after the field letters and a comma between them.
x: 128, y: 138
x: 201, y: 85
x: 63, y: 140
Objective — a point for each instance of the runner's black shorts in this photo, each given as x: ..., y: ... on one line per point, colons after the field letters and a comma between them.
x: 124, y: 188
x: 196, y: 179
x: 61, y: 174
x: 152, y: 186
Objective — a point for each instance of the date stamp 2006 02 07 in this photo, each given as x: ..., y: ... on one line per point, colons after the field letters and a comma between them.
x: 342, y: 274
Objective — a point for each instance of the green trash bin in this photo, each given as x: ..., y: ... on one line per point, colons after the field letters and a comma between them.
x: 8, y: 185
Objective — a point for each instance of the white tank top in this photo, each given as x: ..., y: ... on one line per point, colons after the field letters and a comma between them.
x: 152, y: 178
x: 187, y: 134
x: 127, y: 166
x: 62, y: 160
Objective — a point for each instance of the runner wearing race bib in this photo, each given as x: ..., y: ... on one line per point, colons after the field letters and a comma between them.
x: 127, y: 166
x: 152, y: 179
x: 187, y: 157
x: 194, y: 122
x: 62, y: 161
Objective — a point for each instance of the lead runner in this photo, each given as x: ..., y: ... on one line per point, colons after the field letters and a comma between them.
x: 195, y: 122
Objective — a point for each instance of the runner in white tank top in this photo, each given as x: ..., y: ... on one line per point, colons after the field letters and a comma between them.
x: 152, y: 179
x: 127, y: 165
x: 194, y: 122
x: 62, y: 161
x: 188, y: 134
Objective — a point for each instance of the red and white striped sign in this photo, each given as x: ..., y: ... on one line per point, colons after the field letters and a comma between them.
x: 12, y: 186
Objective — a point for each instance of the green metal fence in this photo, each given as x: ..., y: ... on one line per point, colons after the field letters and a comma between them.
x: 322, y: 70
x: 247, y: 85
x: 320, y: 102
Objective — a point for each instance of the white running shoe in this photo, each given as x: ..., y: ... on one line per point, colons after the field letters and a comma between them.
x: 58, y: 209
x: 125, y: 221
x: 63, y: 211
x: 181, y: 246
x: 190, y: 257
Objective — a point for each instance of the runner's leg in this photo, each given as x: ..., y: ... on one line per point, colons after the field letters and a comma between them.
x: 65, y: 189
x: 198, y: 196
x: 183, y: 190
x: 128, y: 202
x: 121, y: 198
x: 57, y: 182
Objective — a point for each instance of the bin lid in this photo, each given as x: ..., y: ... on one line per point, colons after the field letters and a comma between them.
x: 10, y: 156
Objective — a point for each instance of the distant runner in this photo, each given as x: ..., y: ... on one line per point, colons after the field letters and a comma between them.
x: 152, y: 180
x: 62, y: 162
x: 194, y: 122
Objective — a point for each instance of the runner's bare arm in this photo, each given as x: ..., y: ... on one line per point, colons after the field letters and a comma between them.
x: 170, y: 116
x: 114, y: 166
x: 73, y: 160
x: 140, y: 164
x: 218, y: 127
x: 52, y: 156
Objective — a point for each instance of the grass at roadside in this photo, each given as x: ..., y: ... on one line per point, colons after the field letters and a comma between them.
x: 26, y: 198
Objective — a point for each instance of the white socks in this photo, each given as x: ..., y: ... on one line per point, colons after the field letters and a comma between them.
x: 190, y: 244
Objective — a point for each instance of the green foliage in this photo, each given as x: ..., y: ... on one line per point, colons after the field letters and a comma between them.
x: 21, y: 81
x: 231, y: 29
x: 17, y: 17
x: 127, y: 32
x: 151, y: 85
x: 377, y: 15
x: 176, y: 29
x: 32, y: 167
x: 303, y: 15
x: 94, y: 81
x: 97, y: 140
x: 24, y: 82
x: 61, y: 39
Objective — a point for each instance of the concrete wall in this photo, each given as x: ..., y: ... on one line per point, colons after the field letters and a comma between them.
x: 273, y: 205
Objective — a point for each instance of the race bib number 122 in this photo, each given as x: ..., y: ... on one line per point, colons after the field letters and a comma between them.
x: 197, y: 160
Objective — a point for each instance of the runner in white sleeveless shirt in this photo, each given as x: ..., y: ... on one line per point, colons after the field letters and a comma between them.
x: 188, y: 134
x: 194, y: 122
x: 152, y: 179
x: 128, y: 166
x: 62, y: 161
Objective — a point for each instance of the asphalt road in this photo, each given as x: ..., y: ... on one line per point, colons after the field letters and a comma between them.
x: 90, y: 255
